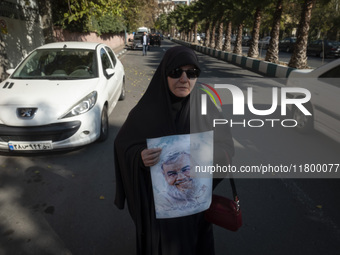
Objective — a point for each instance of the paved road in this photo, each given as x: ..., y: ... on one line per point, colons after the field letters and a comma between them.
x: 62, y: 203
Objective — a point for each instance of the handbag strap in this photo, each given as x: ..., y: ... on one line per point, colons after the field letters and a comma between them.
x: 235, y: 196
x: 233, y: 186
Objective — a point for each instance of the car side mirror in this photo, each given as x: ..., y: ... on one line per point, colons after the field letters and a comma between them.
x: 109, y: 72
x: 10, y: 71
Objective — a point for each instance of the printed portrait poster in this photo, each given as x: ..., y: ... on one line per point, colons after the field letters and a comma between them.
x: 179, y: 188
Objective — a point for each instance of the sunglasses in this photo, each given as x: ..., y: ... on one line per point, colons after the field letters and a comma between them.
x: 191, y: 73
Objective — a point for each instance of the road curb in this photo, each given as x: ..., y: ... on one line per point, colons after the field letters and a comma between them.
x: 120, y: 50
x: 256, y: 65
x: 119, y: 54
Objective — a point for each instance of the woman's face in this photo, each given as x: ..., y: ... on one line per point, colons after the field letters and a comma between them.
x: 182, y: 86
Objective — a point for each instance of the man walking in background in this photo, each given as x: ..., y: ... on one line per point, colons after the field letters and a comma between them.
x: 146, y: 42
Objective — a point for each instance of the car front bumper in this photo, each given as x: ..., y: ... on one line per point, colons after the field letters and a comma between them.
x: 56, y: 134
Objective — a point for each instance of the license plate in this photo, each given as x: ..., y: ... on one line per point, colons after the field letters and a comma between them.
x: 30, y: 146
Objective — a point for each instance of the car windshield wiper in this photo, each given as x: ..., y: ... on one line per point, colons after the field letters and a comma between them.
x: 52, y: 78
x: 59, y: 78
x: 29, y: 77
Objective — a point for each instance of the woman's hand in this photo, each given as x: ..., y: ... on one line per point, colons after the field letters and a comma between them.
x: 150, y: 157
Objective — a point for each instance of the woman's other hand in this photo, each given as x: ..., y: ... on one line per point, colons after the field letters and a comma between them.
x: 150, y: 157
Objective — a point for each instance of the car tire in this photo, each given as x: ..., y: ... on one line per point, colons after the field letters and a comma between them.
x: 304, y: 122
x: 104, y: 125
x: 123, y: 91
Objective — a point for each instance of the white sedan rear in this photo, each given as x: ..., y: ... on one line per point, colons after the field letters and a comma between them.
x: 60, y: 97
x: 324, y: 86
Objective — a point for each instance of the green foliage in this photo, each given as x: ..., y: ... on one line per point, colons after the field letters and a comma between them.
x: 162, y: 23
x: 107, y: 24
x: 77, y: 9
x: 102, y: 16
x: 325, y: 20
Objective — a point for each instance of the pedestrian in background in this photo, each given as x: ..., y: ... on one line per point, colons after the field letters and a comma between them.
x: 165, y: 110
x: 145, y: 40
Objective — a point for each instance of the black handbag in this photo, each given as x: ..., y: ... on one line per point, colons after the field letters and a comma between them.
x: 225, y: 212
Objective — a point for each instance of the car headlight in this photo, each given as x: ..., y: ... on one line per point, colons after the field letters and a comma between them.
x: 82, y: 106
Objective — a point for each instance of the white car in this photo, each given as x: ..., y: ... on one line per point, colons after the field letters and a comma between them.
x: 264, y: 42
x: 60, y: 96
x: 198, y: 38
x: 324, y: 85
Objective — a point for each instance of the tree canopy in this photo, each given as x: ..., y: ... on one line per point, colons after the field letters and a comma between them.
x: 305, y: 19
x: 103, y: 16
x: 218, y: 19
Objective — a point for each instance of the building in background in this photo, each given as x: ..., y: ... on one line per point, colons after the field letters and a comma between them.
x: 20, y: 32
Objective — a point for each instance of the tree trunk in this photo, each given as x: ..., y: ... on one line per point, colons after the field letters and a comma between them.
x: 195, y: 33
x: 253, y: 51
x: 172, y: 32
x: 272, y: 54
x: 227, y: 40
x: 45, y: 13
x: 212, y: 37
x: 238, y: 42
x: 299, y: 56
x: 220, y: 35
x: 207, y: 34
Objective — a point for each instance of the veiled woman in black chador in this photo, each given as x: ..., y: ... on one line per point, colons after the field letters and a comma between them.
x: 168, y: 107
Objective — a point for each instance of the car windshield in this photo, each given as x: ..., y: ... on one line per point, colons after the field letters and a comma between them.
x: 59, y: 64
x: 137, y: 37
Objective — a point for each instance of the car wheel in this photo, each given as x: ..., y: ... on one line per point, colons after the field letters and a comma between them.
x: 123, y: 91
x: 104, y: 125
x: 304, y: 122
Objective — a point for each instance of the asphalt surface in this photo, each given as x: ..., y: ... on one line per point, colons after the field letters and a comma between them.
x: 62, y: 203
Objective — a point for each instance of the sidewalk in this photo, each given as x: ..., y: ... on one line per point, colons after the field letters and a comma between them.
x: 119, y: 51
x: 255, y: 65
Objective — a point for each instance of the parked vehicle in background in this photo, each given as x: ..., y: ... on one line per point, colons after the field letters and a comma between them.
x: 160, y: 35
x: 323, y: 48
x: 264, y: 42
x: 135, y: 43
x: 233, y: 39
x: 141, y: 30
x: 324, y: 85
x: 337, y: 51
x: 246, y: 40
x: 198, y: 37
x: 287, y: 44
x: 60, y: 96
